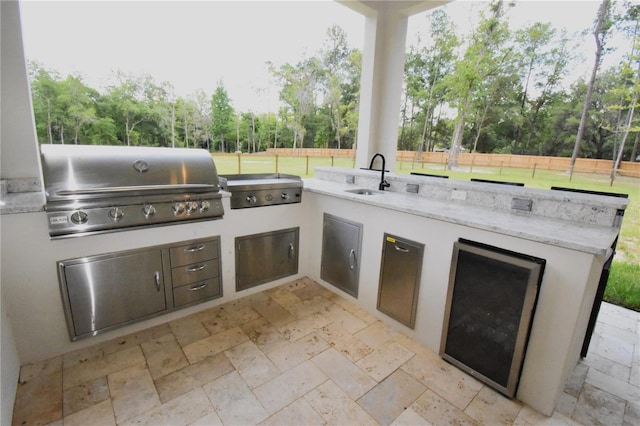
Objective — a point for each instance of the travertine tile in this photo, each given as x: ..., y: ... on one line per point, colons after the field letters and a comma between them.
x: 566, y: 404
x: 608, y: 367
x: 81, y: 356
x: 264, y: 335
x: 335, y: 406
x: 574, y: 383
x: 163, y: 355
x: 344, y: 373
x: 289, y: 386
x: 39, y: 400
x: 133, y: 340
x: 376, y: 334
x: 314, y: 305
x: 389, y: 399
x: 454, y: 385
x: 100, y: 414
x: 132, y: 392
x: 252, y: 364
x: 619, y: 388
x: 210, y: 419
x: 597, y: 407
x: 345, y: 319
x: 308, y: 291
x: 632, y: 414
x: 297, y: 352
x: 489, y: 407
x: 227, y: 318
x: 615, y: 349
x: 29, y: 372
x: 304, y: 326
x: 85, y: 395
x: 273, y: 312
x: 410, y: 418
x: 188, y: 330
x: 299, y: 412
x: 233, y: 400
x: 344, y: 342
x: 296, y: 284
x: 354, y: 309
x: 384, y: 360
x: 189, y: 378
x: 438, y: 411
x: 102, y: 366
x: 283, y: 296
x: 183, y: 410
x: 212, y: 345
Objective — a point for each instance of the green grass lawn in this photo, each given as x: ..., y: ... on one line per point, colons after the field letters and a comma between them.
x: 624, y: 282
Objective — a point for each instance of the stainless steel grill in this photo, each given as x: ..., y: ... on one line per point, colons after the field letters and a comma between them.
x: 262, y: 189
x: 91, y: 189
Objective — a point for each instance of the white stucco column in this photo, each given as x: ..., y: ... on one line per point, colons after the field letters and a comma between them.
x: 381, y: 85
x: 18, y: 145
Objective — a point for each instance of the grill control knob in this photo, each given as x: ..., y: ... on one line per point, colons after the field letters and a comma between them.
x: 116, y: 214
x: 148, y: 211
x: 79, y: 217
x: 204, y: 206
x: 178, y: 208
x: 251, y: 199
x: 192, y: 206
x: 284, y: 196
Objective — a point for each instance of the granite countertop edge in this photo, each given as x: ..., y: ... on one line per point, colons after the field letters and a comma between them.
x: 593, y: 239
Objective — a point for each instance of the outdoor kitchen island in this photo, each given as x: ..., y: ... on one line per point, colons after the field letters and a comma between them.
x: 574, y: 233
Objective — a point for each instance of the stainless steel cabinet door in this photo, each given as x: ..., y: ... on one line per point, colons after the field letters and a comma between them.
x: 400, y: 270
x: 341, y: 247
x: 111, y: 290
x: 265, y: 257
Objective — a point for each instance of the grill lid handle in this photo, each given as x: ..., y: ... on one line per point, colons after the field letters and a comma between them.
x: 140, y: 188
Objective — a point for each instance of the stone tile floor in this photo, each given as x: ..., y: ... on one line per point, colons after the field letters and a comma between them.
x: 300, y: 355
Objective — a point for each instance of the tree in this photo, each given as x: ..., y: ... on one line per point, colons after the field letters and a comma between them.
x: 600, y: 33
x: 484, y: 58
x: 221, y: 114
x: 298, y: 92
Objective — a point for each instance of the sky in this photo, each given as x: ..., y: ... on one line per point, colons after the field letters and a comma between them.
x: 195, y: 44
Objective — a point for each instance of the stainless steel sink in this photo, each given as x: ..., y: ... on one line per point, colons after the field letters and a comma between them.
x: 364, y: 191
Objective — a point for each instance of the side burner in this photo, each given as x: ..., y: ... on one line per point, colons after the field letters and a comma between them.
x: 261, y: 190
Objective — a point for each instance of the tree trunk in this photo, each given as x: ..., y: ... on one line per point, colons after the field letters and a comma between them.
x: 634, y: 99
x: 587, y: 101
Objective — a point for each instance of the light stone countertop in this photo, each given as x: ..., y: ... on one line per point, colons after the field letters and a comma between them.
x: 593, y: 239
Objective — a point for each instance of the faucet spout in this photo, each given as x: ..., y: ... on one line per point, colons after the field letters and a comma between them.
x: 383, y: 183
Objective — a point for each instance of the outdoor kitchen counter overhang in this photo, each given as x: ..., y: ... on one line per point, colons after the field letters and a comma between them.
x: 593, y: 238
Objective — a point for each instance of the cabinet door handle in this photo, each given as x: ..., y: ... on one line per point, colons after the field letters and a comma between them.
x: 402, y: 249
x: 156, y: 277
x: 291, y: 251
x: 197, y: 287
x: 194, y: 249
x: 196, y: 268
x: 352, y: 259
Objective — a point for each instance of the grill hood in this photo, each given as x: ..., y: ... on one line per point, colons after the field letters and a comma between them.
x: 91, y: 171
x: 92, y: 188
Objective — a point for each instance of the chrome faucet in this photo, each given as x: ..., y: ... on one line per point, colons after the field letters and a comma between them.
x: 383, y: 183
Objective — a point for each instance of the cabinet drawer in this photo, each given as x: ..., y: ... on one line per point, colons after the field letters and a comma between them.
x: 193, y: 253
x: 194, y: 272
x: 197, y: 292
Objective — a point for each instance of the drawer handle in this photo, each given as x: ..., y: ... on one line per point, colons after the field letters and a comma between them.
x: 352, y: 259
x: 156, y: 277
x: 196, y: 268
x: 291, y: 251
x: 194, y: 249
x: 197, y: 287
x: 402, y: 249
